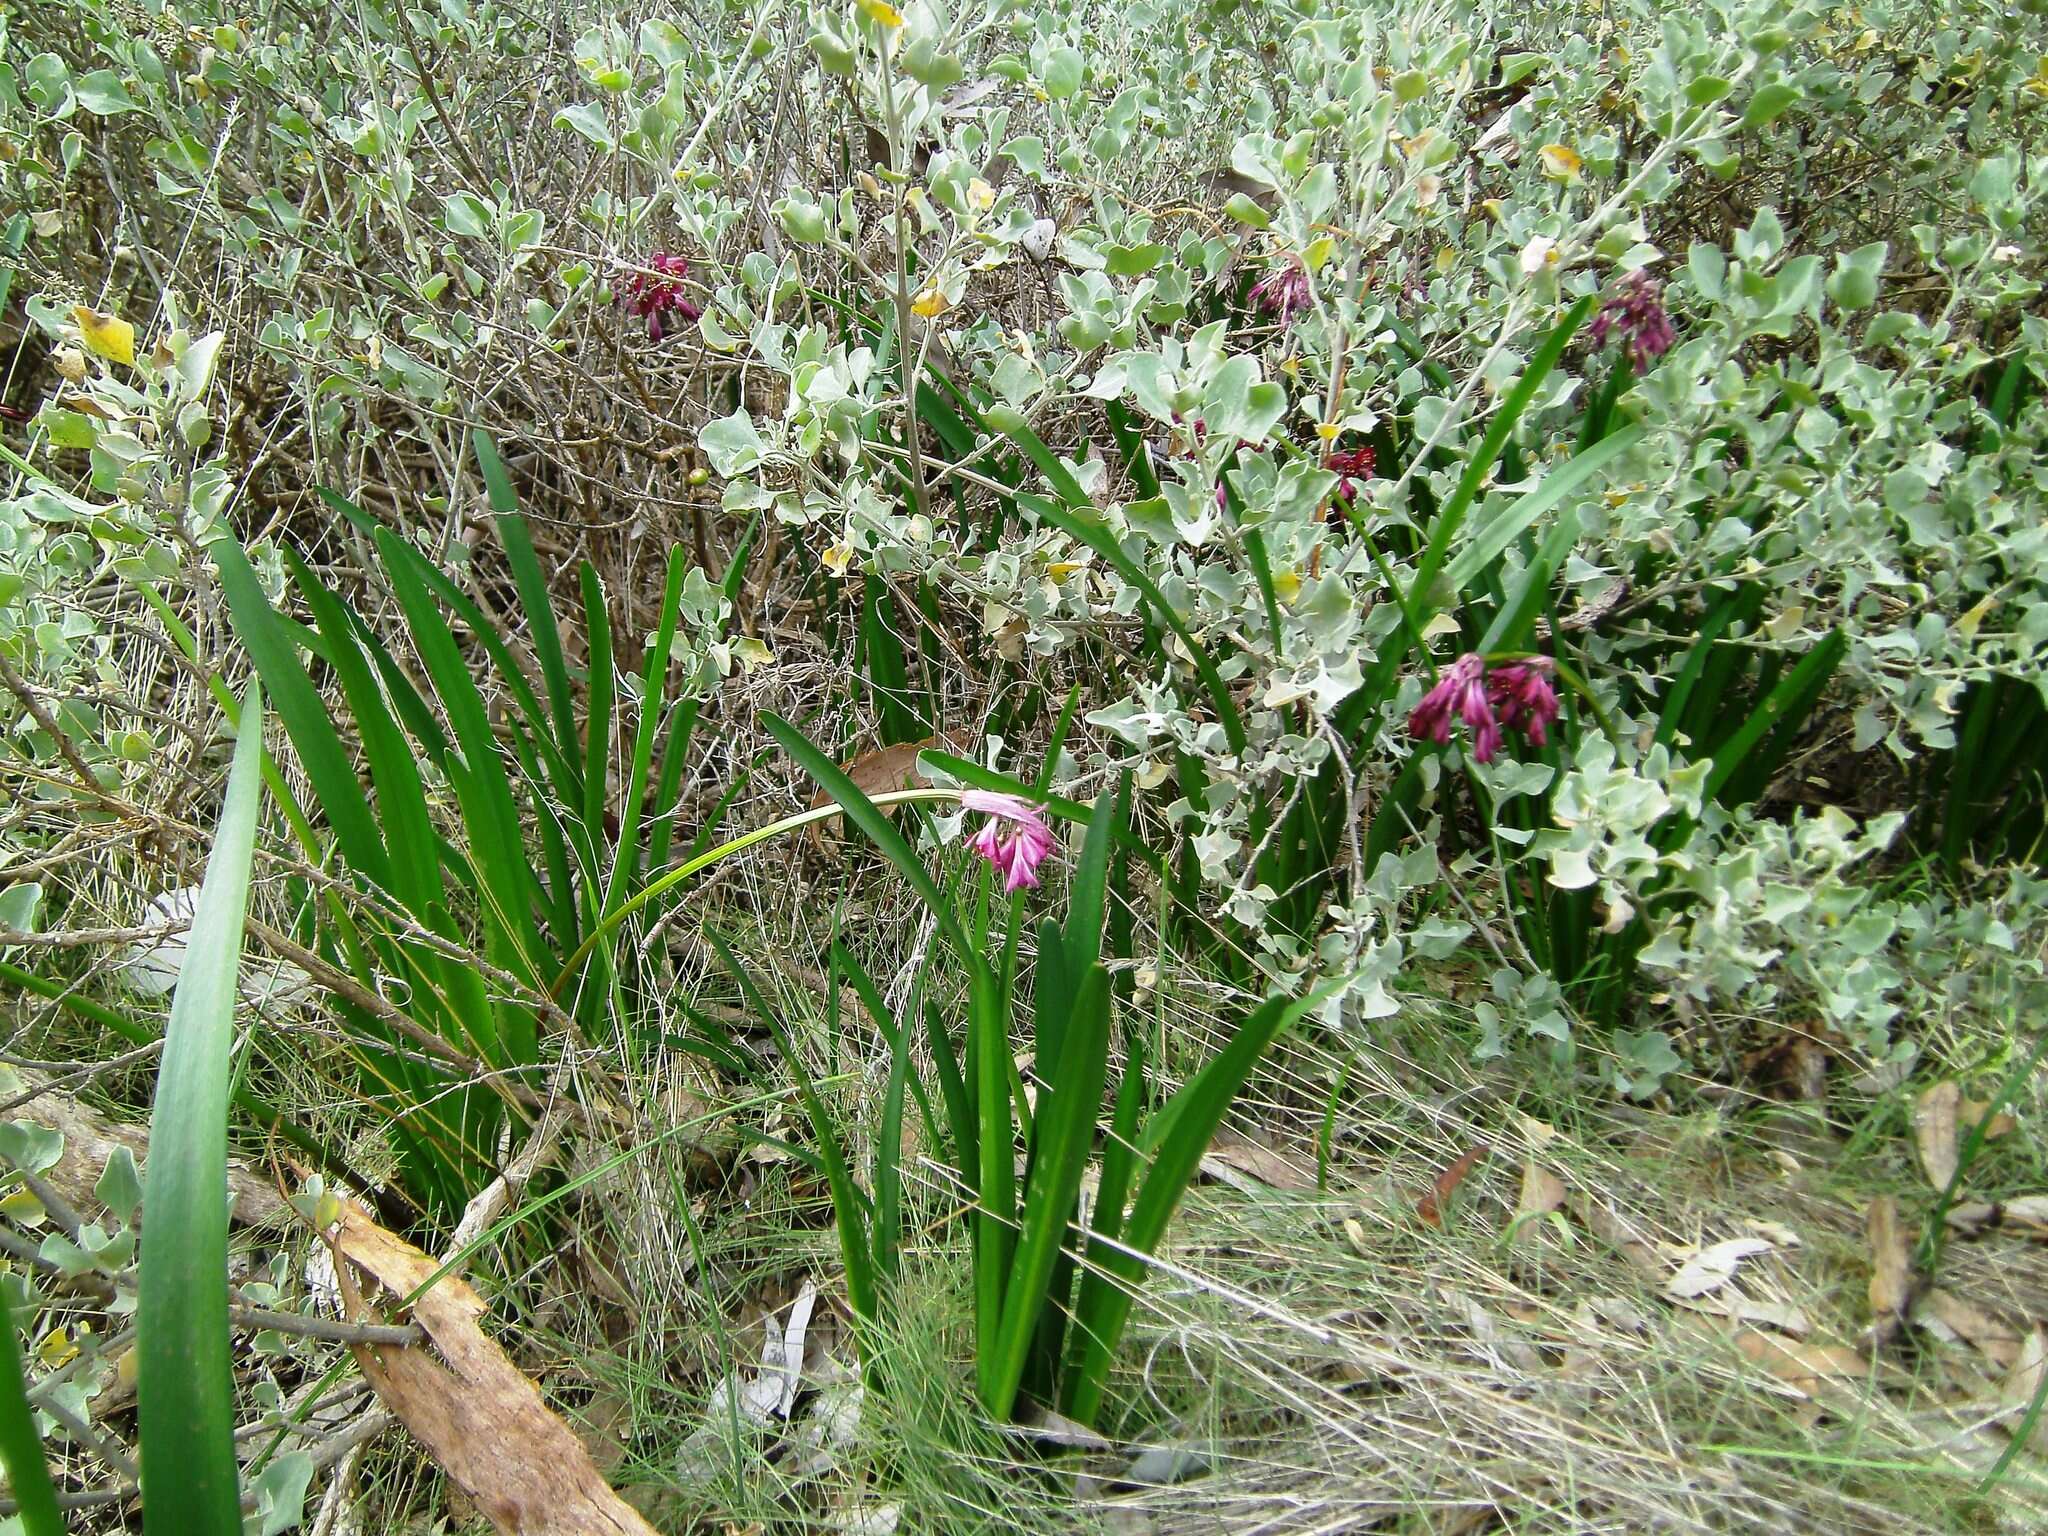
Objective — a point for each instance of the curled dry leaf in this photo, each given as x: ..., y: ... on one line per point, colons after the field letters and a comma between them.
x: 1778, y: 1316
x: 2026, y: 1216
x: 472, y: 1409
x: 1935, y: 1119
x: 1891, y: 1269
x: 1430, y: 1208
x: 1942, y: 1312
x: 1713, y: 1267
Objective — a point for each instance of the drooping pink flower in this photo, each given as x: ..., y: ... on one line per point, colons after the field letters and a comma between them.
x: 1638, y: 315
x: 1282, y: 291
x: 1515, y: 696
x: 1522, y: 692
x: 1360, y: 461
x: 653, y: 294
x: 1015, y: 838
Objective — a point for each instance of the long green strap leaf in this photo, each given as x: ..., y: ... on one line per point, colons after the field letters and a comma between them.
x: 184, y: 1383
x: 1064, y: 1135
x: 1177, y: 1138
x: 654, y: 689
x: 988, y: 1035
x: 534, y: 598
x: 21, y: 1448
x: 327, y: 763
x: 1492, y: 540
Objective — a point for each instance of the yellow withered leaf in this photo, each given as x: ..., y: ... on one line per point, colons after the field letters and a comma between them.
x: 1559, y: 163
x: 928, y: 304
x: 881, y: 12
x: 107, y: 336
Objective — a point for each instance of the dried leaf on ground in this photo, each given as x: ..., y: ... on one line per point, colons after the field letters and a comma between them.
x: 2023, y: 1382
x: 1779, y: 1316
x: 1971, y: 1112
x: 472, y: 1409
x: 2026, y: 1216
x: 1944, y: 1312
x: 1614, y: 1229
x: 1935, y: 1119
x: 1891, y: 1268
x: 1542, y: 1193
x: 1232, y: 1158
x: 791, y: 1363
x: 1430, y: 1208
x: 1805, y: 1368
x: 883, y: 772
x: 1713, y: 1267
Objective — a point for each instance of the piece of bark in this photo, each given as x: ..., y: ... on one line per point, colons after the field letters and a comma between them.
x: 473, y: 1410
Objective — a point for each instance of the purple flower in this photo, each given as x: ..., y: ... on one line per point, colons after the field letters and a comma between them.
x: 653, y: 294
x: 1514, y: 696
x: 1283, y: 290
x: 1637, y: 313
x: 1015, y: 838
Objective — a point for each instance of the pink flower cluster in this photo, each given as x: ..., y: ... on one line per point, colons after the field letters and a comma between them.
x: 1638, y: 315
x: 651, y: 295
x: 1015, y: 838
x: 1362, y: 462
x: 1514, y: 696
x: 1282, y: 291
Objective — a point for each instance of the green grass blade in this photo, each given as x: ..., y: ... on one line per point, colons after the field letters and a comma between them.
x: 953, y: 1092
x: 995, y: 1181
x: 1705, y: 638
x: 888, y: 1228
x: 1511, y: 624
x: 21, y: 1448
x: 1444, y: 527
x: 280, y: 792
x: 892, y: 1028
x: 1087, y: 894
x: 849, y: 1210
x: 392, y: 547
x: 864, y: 814
x: 184, y: 1384
x: 883, y: 665
x: 1106, y: 1216
x: 505, y: 883
x: 533, y: 597
x: 394, y: 768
